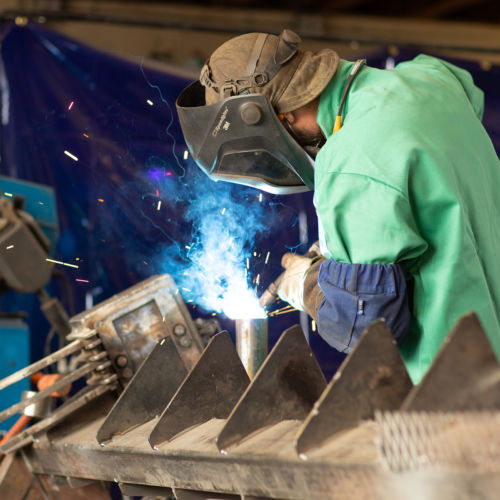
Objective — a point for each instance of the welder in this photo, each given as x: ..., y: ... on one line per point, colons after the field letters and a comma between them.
x: 404, y: 174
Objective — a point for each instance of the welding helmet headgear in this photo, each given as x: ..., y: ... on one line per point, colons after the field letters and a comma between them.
x: 229, y: 118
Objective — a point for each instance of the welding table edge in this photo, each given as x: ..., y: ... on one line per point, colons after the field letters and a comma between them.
x: 130, y: 459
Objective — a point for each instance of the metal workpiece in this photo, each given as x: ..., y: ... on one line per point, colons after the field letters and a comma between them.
x: 285, y: 387
x: 373, y: 376
x: 465, y: 374
x: 459, y: 441
x: 210, y: 390
x: 148, y: 393
x: 251, y: 343
x: 131, y: 322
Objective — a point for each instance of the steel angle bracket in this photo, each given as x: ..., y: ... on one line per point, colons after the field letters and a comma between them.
x: 465, y: 374
x: 147, y: 393
x: 285, y: 387
x: 373, y: 376
x: 211, y: 390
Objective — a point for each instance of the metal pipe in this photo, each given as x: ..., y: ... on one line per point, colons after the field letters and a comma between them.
x: 251, y: 343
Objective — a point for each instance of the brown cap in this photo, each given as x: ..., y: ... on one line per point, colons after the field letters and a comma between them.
x: 270, y: 65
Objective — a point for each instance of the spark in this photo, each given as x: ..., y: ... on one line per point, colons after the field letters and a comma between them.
x: 157, y: 192
x: 267, y: 257
x: 255, y: 254
x: 186, y: 289
x: 145, y: 263
x: 168, y: 174
x: 313, y: 325
x: 73, y: 157
x: 100, y: 199
x: 223, y: 211
x: 8, y: 194
x: 213, y: 314
x: 159, y: 205
x: 258, y: 278
x: 71, y: 105
x: 9, y: 247
x: 186, y: 154
x: 188, y: 247
x: 85, y: 135
x: 150, y: 102
x: 62, y: 263
x: 260, y: 197
x: 248, y: 263
x: 82, y: 281
x: 40, y: 203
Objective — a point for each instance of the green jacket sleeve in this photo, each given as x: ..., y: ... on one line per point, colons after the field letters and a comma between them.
x: 366, y: 221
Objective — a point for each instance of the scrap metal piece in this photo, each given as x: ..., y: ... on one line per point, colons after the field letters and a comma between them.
x: 78, y: 401
x: 285, y: 387
x: 458, y: 441
x: 373, y: 376
x: 211, y: 390
x: 149, y: 391
x: 56, y: 386
x: 465, y: 374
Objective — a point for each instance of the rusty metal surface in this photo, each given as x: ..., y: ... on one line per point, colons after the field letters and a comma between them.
x: 211, y: 390
x: 129, y: 324
x: 142, y: 490
x: 149, y: 391
x: 373, y: 376
x: 251, y: 343
x: 191, y: 461
x: 452, y: 441
x: 465, y: 374
x: 203, y: 495
x: 285, y: 387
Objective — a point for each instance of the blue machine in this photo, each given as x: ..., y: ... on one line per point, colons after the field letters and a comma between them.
x: 14, y: 331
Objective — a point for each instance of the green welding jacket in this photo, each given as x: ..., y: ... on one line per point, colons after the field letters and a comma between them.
x: 412, y: 179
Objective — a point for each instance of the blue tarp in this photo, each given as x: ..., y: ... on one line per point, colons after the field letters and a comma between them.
x: 102, y: 131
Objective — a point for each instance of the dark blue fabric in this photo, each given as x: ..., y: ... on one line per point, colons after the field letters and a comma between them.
x: 357, y: 295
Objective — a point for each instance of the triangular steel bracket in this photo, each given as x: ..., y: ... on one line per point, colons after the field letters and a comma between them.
x: 211, y: 390
x: 373, y: 376
x: 285, y: 387
x: 465, y: 374
x: 147, y: 393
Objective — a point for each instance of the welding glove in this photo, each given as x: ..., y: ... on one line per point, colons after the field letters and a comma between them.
x: 299, y: 286
x: 291, y: 287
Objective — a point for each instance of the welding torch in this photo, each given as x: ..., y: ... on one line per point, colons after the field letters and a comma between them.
x: 270, y: 294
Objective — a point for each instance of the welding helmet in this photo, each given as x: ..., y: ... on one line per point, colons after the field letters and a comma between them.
x: 229, y: 117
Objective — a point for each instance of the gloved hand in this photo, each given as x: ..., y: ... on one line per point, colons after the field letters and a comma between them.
x: 291, y: 287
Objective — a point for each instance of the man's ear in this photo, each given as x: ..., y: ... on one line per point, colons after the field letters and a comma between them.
x: 290, y: 117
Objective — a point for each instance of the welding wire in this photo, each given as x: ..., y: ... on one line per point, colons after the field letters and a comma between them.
x: 60, y: 384
x: 35, y: 367
x: 284, y: 312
